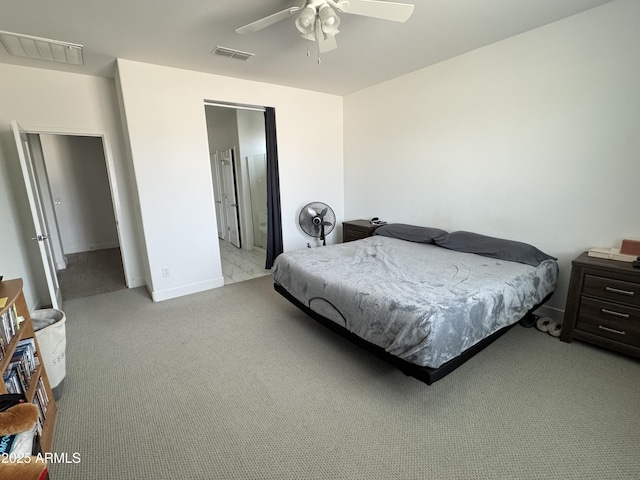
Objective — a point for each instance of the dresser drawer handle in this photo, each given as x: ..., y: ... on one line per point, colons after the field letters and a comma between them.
x: 621, y: 292
x: 612, y: 330
x: 614, y: 313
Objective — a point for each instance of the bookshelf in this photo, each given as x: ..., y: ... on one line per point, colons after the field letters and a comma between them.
x: 21, y: 367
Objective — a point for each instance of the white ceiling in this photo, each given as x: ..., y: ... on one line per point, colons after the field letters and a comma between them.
x: 183, y: 33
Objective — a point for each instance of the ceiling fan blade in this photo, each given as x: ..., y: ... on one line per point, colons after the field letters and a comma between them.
x: 267, y: 21
x: 396, y: 12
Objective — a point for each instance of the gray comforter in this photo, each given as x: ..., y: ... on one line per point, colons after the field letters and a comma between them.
x: 422, y: 303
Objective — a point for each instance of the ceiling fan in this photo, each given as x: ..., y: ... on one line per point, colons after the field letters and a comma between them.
x: 317, y: 20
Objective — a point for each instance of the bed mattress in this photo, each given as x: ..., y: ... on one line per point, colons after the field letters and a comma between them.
x: 420, y: 302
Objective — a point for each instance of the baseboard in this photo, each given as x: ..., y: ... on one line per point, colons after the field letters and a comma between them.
x: 137, y: 282
x: 160, y: 295
x: 546, y: 311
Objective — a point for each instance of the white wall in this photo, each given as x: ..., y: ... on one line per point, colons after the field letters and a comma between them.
x: 534, y: 138
x: 166, y: 126
x: 63, y: 102
x: 80, y: 188
x: 222, y: 128
x: 251, y: 133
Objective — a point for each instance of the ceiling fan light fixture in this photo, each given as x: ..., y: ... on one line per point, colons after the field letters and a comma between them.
x: 318, y: 20
x: 306, y: 19
x: 329, y: 20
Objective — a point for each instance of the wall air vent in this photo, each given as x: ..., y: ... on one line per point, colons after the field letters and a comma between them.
x: 42, y: 48
x: 232, y: 53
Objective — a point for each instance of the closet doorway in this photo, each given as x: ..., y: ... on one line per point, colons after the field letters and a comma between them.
x: 237, y: 149
x: 75, y: 197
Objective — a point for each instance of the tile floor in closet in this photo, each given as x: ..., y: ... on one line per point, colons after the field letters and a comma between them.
x: 239, y: 264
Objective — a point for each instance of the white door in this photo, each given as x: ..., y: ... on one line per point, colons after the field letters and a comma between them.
x: 39, y: 223
x: 46, y: 197
x: 230, y: 197
x: 216, y: 174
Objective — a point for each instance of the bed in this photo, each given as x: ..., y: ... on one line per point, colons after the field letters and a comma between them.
x: 423, y: 299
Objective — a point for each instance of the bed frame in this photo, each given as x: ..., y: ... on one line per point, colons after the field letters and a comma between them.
x: 424, y: 374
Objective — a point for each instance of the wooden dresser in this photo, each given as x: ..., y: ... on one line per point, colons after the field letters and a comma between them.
x: 357, y: 229
x: 603, y: 304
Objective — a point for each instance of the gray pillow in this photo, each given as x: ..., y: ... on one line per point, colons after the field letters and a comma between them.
x: 492, y: 247
x: 411, y: 233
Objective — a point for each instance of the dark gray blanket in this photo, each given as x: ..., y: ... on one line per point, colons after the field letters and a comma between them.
x: 422, y: 303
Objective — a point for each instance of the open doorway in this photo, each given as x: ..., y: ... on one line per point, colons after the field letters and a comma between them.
x: 237, y: 147
x: 75, y: 195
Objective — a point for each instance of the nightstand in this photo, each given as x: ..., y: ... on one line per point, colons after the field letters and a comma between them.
x: 603, y: 304
x: 357, y: 229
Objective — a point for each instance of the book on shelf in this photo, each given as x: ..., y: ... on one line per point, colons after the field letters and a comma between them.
x: 40, y: 423
x: 41, y: 395
x: 23, y: 364
x: 41, y: 400
x: 9, y: 324
x: 11, y: 382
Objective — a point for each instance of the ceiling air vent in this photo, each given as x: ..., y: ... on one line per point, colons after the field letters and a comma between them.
x: 232, y: 53
x: 42, y: 48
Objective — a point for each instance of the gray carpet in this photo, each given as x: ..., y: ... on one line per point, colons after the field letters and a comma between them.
x: 92, y: 273
x: 236, y: 383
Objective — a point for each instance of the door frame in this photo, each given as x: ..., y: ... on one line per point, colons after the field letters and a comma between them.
x: 245, y: 221
x: 111, y: 172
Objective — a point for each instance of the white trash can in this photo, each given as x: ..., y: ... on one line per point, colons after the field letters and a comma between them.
x: 49, y: 325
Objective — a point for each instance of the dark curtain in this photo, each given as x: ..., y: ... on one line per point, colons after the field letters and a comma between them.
x: 274, y: 222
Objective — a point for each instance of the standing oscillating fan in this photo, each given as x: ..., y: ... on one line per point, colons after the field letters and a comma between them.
x: 317, y: 220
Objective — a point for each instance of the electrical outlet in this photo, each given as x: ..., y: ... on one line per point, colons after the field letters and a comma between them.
x: 166, y: 272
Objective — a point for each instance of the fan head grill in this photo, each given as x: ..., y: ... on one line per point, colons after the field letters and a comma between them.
x: 317, y: 220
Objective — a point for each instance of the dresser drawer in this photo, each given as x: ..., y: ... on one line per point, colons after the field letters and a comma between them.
x: 351, y: 235
x: 609, y: 320
x: 611, y: 289
x: 357, y: 229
